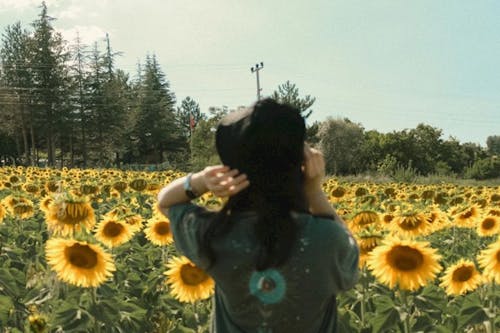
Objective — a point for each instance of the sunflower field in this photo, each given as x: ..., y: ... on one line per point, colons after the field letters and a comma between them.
x: 87, y: 251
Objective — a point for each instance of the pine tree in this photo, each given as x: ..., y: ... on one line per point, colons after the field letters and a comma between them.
x: 79, y: 99
x: 188, y: 115
x: 17, y: 79
x: 156, y: 131
x: 288, y: 93
x: 96, y: 122
x: 50, y: 84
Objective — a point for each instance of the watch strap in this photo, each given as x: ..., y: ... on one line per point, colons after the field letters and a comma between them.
x: 187, y: 187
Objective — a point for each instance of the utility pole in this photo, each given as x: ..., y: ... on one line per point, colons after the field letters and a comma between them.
x: 256, y: 70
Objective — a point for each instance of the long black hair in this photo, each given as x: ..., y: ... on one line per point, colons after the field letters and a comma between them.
x: 266, y: 142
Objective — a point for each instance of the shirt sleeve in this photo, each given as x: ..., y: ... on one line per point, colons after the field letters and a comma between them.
x: 186, y: 221
x: 346, y: 257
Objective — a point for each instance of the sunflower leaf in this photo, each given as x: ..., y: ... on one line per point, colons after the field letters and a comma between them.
x: 472, y: 311
x: 5, y: 305
x: 388, y: 315
x: 11, y: 281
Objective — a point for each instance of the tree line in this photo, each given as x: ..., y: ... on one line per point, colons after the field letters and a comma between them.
x: 65, y: 104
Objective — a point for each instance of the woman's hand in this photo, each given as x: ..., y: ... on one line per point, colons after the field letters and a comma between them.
x: 221, y: 180
x: 314, y: 172
x: 314, y: 169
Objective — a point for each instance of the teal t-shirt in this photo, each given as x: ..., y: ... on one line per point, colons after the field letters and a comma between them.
x: 299, y: 296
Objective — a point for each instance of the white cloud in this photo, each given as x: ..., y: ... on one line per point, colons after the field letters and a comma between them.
x: 71, y: 12
x: 88, y: 34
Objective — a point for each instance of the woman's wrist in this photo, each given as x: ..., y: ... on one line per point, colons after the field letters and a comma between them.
x: 198, y: 183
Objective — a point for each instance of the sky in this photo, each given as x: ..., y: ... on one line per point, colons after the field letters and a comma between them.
x: 386, y: 64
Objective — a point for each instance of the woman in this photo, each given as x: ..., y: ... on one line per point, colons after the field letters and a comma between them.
x: 278, y: 252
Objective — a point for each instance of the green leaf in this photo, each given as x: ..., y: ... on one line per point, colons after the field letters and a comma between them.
x: 105, y: 311
x: 442, y: 329
x: 183, y: 329
x: 5, y: 305
x: 472, y: 311
x: 388, y: 314
x: 11, y: 281
x: 348, y: 321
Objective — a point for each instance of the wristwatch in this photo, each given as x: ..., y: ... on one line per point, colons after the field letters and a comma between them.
x: 187, y: 187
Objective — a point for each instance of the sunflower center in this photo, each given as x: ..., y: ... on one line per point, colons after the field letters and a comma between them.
x: 81, y: 256
x: 192, y: 275
x: 432, y: 218
x: 410, y: 222
x: 405, y: 258
x: 488, y: 223
x: 388, y: 218
x: 112, y: 229
x: 498, y: 256
x: 466, y: 215
x: 162, y: 228
x: 462, y: 274
x: 338, y: 192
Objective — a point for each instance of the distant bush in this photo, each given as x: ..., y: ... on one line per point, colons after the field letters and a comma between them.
x: 485, y: 168
x: 398, y: 172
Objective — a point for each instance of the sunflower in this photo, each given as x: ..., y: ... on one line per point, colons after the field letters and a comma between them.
x: 364, y: 218
x: 436, y: 219
x: 118, y: 211
x: 138, y: 184
x: 19, y: 206
x: 494, y: 212
x: 31, y: 188
x: 158, y: 231
x: 388, y: 218
x: 406, y: 263
x: 460, y: 278
x: 66, y: 216
x: 53, y: 186
x: 188, y: 283
x: 366, y: 244
x: 410, y: 224
x: 467, y: 217
x: 112, y: 232
x: 45, y: 203
x: 120, y: 186
x: 489, y: 260
x: 24, y: 209
x: 361, y: 191
x: 2, y: 213
x: 79, y: 263
x: 134, y: 221
x: 337, y: 193
x: 489, y: 226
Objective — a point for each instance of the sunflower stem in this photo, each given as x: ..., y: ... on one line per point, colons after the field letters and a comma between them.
x: 93, y: 295
x: 404, y: 301
x: 364, y: 280
x: 164, y: 254
x: 492, y: 309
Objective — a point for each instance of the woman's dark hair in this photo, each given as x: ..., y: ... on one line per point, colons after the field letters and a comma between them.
x: 266, y: 142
